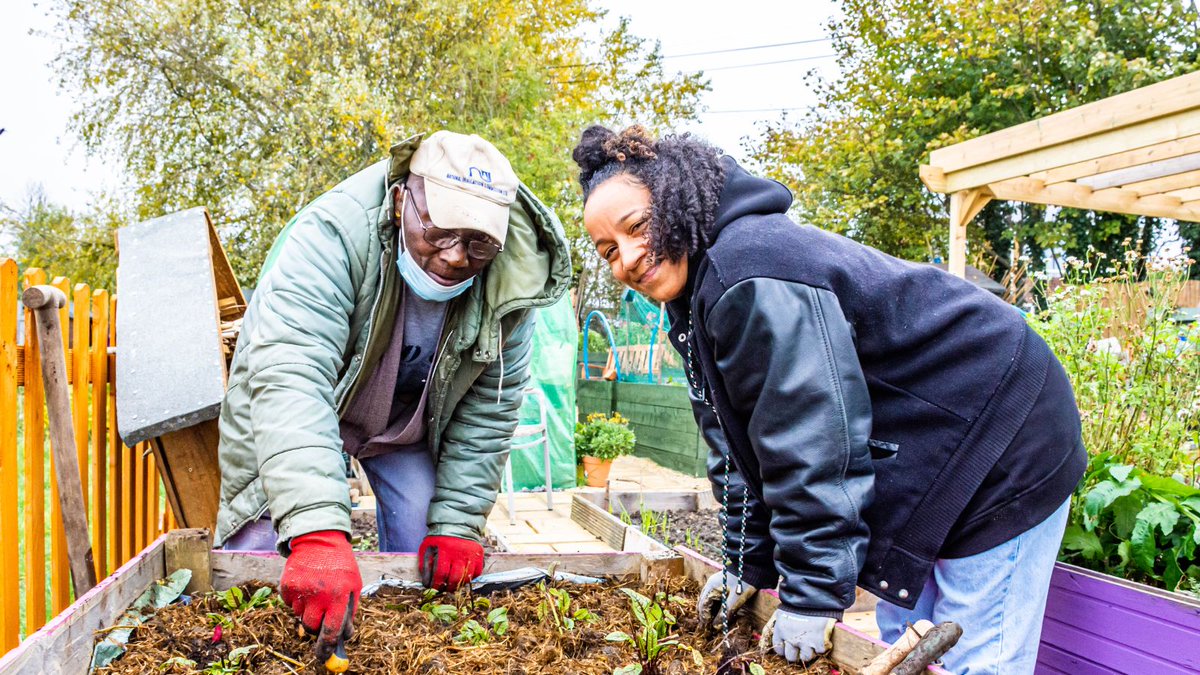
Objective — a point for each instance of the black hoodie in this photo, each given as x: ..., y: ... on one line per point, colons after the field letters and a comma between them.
x: 881, y: 414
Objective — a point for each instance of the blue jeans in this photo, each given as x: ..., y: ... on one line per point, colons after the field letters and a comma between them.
x: 403, y: 484
x: 998, y: 597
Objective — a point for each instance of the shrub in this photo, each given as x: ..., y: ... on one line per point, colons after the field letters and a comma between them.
x: 604, y: 437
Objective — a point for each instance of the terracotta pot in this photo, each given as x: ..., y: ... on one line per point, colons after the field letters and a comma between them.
x: 596, y: 471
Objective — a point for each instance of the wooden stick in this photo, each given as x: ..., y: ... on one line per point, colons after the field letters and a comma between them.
x: 883, y: 664
x: 45, y: 302
x: 936, y: 642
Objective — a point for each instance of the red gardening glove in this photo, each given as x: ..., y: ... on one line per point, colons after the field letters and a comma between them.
x: 449, y: 562
x: 321, y: 583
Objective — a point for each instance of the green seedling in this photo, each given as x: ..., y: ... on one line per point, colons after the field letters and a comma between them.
x: 473, y: 633
x: 654, y: 638
x: 557, y: 606
x: 440, y: 612
x: 498, y: 620
x: 691, y: 539
x: 236, y: 601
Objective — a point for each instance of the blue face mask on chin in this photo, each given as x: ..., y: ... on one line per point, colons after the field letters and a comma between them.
x: 418, y: 280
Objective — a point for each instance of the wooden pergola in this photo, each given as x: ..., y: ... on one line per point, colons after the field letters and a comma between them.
x: 1135, y: 153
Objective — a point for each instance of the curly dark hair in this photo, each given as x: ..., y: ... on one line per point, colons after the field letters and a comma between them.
x: 683, y: 174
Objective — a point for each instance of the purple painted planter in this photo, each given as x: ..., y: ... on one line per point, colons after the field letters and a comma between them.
x: 1096, y: 623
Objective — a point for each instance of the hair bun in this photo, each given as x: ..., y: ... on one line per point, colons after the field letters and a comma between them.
x: 591, y: 154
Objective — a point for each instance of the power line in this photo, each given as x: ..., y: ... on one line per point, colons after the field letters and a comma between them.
x: 767, y: 63
x: 714, y: 51
x: 744, y: 49
x: 752, y: 110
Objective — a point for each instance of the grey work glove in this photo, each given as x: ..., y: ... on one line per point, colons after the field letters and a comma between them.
x: 798, y: 636
x: 708, y: 607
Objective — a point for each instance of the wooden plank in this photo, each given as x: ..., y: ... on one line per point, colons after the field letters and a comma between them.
x: 102, y: 459
x: 1120, y: 160
x: 35, y: 466
x: 78, y: 357
x: 1078, y: 196
x: 598, y: 522
x: 64, y: 645
x: 1170, y: 97
x: 153, y: 528
x: 234, y: 567
x: 191, y: 549
x: 10, y: 553
x: 668, y: 396
x: 663, y: 417
x: 1143, y: 173
x: 1179, y: 181
x: 230, y: 301
x: 690, y: 466
x: 138, y: 485
x: 1119, y: 624
x: 49, y: 305
x: 676, y: 442
x: 1051, y: 157
x: 1187, y: 195
x: 191, y: 473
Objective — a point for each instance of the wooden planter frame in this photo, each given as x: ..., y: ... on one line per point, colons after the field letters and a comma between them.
x: 64, y: 645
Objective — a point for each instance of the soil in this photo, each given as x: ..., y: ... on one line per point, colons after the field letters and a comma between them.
x: 364, y: 533
x: 393, y: 635
x: 700, y: 531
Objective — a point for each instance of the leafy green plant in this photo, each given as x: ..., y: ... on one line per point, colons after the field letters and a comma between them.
x: 556, y: 605
x: 440, y: 612
x: 1134, y: 369
x: 656, y: 525
x: 604, y: 437
x: 691, y: 539
x: 1129, y: 522
x: 473, y: 633
x: 654, y: 638
x: 235, y: 599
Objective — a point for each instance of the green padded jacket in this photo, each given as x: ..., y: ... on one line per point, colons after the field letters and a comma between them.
x: 321, y: 318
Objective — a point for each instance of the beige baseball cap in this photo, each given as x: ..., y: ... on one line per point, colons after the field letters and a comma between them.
x: 468, y: 183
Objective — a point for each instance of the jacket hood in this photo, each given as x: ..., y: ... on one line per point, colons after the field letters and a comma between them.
x: 747, y: 195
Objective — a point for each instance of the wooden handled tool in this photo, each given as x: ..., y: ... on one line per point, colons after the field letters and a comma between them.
x: 45, y: 301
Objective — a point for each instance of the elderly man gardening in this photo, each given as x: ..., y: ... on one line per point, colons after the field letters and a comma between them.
x: 392, y: 320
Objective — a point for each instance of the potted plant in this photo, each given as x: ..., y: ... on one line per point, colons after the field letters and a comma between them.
x: 598, y: 441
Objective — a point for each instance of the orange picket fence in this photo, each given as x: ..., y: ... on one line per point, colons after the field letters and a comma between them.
x: 120, y: 484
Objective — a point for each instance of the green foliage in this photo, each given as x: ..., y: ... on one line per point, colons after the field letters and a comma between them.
x: 235, y: 599
x: 1130, y: 523
x: 255, y: 109
x: 654, y: 638
x: 656, y: 525
x: 473, y: 633
x: 556, y: 606
x: 1136, y: 373
x: 78, y: 246
x: 440, y: 612
x: 917, y: 75
x: 604, y: 437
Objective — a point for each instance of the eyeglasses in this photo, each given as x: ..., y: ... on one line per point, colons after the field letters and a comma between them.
x: 480, y: 250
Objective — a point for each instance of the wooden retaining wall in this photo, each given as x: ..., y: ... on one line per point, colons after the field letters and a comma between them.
x: 660, y: 416
x: 1098, y: 624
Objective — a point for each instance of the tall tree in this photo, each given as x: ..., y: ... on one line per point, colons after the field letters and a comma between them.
x: 916, y: 75
x: 253, y: 108
x: 79, y: 246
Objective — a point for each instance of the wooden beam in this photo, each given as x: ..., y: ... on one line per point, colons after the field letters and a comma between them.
x: 933, y: 177
x: 1147, y: 172
x: 191, y: 549
x: 1072, y: 195
x: 1179, y: 94
x: 1184, y: 196
x: 964, y: 206
x: 1154, y: 186
x: 191, y: 472
x: 1120, y: 160
x: 1153, y: 132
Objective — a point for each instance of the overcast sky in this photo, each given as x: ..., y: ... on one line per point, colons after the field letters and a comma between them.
x: 36, y: 146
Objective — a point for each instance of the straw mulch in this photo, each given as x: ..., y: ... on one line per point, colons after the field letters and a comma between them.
x: 393, y: 635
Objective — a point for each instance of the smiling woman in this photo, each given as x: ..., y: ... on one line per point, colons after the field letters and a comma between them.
x: 871, y: 421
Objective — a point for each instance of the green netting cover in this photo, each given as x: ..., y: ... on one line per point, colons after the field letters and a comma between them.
x: 552, y: 371
x: 641, y: 329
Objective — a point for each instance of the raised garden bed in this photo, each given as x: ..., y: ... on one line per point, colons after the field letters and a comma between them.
x: 65, y: 644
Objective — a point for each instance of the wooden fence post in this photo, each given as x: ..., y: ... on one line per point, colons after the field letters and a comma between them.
x: 101, y: 458
x: 10, y: 552
x: 60, y: 567
x: 35, y: 472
